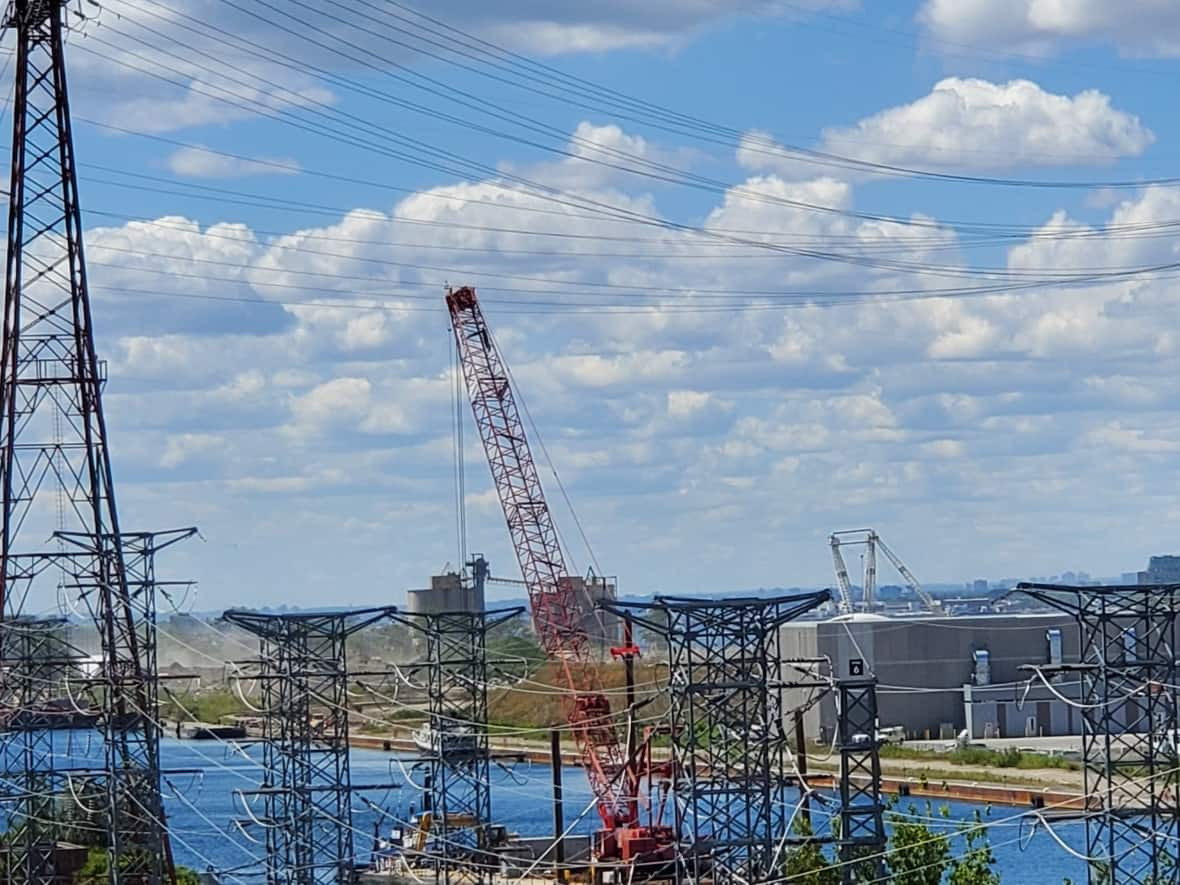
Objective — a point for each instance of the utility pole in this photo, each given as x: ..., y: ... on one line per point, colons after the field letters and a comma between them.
x: 801, y: 766
x: 558, y: 807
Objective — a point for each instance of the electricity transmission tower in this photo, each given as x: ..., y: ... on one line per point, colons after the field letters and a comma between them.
x: 862, y: 813
x: 1130, y: 693
x: 307, y: 786
x: 460, y: 794
x: 55, y: 468
x: 730, y: 742
x: 38, y: 661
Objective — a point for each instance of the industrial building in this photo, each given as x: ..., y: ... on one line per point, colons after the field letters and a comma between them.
x: 455, y: 592
x: 939, y: 675
x: 603, y: 628
x: 448, y: 592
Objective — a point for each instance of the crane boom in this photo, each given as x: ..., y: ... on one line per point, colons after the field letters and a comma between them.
x: 930, y: 602
x: 554, y: 602
x: 845, y: 603
x: 872, y: 541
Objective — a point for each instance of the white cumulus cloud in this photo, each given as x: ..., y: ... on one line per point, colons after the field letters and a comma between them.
x: 1141, y: 27
x: 689, y: 440
x: 975, y: 124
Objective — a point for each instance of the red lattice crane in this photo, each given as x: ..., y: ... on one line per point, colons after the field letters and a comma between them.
x: 555, y: 603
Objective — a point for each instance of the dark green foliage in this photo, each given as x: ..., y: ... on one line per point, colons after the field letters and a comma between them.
x: 921, y: 855
x: 917, y: 856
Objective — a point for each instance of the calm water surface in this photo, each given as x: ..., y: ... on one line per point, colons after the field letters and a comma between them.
x: 202, y: 810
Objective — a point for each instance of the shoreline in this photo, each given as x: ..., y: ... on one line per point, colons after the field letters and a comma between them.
x: 917, y: 781
x: 908, y: 778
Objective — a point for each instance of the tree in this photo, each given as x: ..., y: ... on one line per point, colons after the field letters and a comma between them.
x: 974, y: 866
x: 96, y: 871
x: 917, y: 856
x: 806, y: 862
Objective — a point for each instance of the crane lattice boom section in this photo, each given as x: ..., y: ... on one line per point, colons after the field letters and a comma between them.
x: 556, y: 609
x: 871, y: 541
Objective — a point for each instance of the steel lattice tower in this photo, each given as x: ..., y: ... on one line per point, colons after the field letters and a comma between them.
x: 46, y: 681
x: 307, y: 785
x: 729, y: 739
x: 862, y: 822
x: 460, y: 784
x: 55, y: 469
x: 38, y: 662
x: 1130, y: 693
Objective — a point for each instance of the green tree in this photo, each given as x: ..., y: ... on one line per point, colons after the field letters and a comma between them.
x: 806, y: 862
x: 917, y: 855
x: 974, y: 865
x: 96, y: 871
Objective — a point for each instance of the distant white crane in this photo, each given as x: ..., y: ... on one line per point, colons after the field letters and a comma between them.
x: 872, y: 542
x: 843, y: 584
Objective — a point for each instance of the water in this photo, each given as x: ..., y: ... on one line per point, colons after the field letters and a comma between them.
x: 205, y: 792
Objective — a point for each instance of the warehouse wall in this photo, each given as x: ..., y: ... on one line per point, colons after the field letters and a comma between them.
x: 922, y: 663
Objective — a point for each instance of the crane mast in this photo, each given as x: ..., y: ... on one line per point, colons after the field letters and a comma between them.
x: 554, y: 601
x: 845, y: 604
x: 870, y: 585
x: 872, y: 543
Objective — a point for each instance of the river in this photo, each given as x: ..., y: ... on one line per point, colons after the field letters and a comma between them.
x: 201, y: 810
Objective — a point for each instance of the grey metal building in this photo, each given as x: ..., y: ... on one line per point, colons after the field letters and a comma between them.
x: 923, y: 663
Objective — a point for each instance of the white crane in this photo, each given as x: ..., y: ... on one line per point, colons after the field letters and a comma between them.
x: 845, y: 602
x: 872, y: 541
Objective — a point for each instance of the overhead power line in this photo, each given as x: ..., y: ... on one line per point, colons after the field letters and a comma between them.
x: 484, y: 57
x: 533, y: 187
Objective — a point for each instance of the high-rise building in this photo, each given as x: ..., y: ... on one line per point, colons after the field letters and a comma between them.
x: 1161, y: 570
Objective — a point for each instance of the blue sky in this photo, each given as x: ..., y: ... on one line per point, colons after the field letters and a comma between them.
x: 268, y: 275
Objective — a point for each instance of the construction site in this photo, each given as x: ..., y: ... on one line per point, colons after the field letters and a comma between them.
x: 730, y: 740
